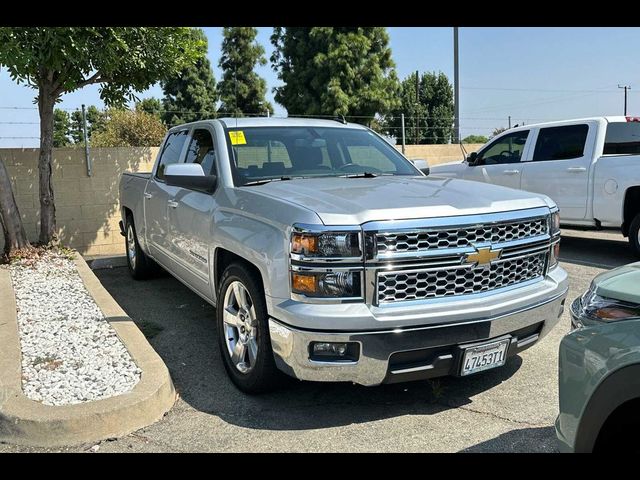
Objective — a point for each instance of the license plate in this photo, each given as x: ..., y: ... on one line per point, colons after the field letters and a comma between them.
x: 483, y: 357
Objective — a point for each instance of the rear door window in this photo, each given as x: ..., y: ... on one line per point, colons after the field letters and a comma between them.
x: 171, y: 151
x: 622, y: 138
x: 561, y: 143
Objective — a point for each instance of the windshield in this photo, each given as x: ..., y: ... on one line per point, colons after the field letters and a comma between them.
x: 264, y: 153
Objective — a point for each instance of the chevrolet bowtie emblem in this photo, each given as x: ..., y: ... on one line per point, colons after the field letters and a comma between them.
x: 483, y: 256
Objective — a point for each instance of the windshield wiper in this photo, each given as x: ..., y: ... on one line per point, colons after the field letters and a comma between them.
x: 363, y: 175
x: 266, y: 180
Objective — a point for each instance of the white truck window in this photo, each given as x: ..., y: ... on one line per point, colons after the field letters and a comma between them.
x: 622, y: 138
x: 561, y: 143
x: 507, y: 149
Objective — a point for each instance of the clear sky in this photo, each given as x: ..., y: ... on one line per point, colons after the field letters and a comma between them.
x: 532, y: 74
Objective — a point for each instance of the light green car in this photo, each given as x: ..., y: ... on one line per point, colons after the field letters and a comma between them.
x: 599, y: 367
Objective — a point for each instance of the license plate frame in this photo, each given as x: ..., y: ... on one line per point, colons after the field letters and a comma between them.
x: 480, y: 350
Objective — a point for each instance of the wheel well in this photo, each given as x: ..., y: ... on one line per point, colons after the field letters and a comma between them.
x: 127, y: 211
x: 621, y: 427
x: 224, y: 258
x: 631, y: 208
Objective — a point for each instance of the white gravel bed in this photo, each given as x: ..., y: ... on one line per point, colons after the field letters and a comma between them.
x: 70, y: 353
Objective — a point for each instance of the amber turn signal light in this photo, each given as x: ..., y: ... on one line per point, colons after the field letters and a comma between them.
x: 304, y: 283
x: 301, y: 243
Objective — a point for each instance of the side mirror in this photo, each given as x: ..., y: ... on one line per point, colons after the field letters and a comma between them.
x: 191, y: 176
x: 421, y: 165
x: 472, y: 158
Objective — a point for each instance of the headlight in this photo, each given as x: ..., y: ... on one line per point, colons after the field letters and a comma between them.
x: 554, y: 231
x: 326, y: 263
x: 326, y: 244
x: 326, y: 284
x: 554, y: 223
x: 607, y: 309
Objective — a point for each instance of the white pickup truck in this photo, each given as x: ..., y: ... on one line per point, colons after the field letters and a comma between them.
x: 590, y: 167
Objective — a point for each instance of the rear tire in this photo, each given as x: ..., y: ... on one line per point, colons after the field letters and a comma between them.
x: 634, y: 235
x: 243, y: 331
x: 140, y: 266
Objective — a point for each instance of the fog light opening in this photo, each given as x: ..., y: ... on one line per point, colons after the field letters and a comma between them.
x: 334, y: 351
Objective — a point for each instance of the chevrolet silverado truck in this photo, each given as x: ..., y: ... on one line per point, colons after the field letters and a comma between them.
x: 330, y: 257
x: 590, y: 167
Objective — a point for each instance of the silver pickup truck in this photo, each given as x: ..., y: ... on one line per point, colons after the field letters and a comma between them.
x: 331, y: 257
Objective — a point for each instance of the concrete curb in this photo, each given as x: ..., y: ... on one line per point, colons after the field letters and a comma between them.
x: 27, y: 422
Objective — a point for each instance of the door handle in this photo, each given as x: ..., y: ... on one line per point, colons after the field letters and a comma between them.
x: 576, y: 169
x: 511, y: 172
x: 147, y: 195
x: 172, y: 204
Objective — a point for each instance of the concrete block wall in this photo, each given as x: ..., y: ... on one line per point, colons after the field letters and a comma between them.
x: 87, y: 208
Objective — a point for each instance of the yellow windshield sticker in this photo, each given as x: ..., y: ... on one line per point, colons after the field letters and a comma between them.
x: 237, y: 138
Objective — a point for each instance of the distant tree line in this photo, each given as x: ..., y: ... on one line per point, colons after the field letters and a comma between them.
x: 325, y: 71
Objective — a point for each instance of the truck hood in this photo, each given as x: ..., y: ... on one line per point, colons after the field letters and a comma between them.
x: 621, y: 283
x: 351, y: 201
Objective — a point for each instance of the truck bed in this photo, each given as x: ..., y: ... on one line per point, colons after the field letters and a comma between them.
x: 144, y: 175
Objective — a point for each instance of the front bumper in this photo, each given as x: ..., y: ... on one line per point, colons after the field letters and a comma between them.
x: 405, y: 354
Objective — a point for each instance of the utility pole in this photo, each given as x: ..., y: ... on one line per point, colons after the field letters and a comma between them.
x: 456, y: 81
x: 509, y: 121
x: 626, y: 87
x: 417, y: 107
x: 403, y: 139
x: 86, y: 142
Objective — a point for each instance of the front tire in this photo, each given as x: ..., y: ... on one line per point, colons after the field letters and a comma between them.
x: 243, y: 331
x: 634, y: 235
x: 140, y: 266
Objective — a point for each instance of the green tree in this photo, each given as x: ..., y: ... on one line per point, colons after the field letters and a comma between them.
x: 475, y: 139
x: 96, y: 119
x: 335, y: 71
x: 151, y: 105
x: 190, y: 94
x: 429, y: 116
x: 61, y: 128
x: 127, y: 128
x: 58, y: 60
x: 242, y: 91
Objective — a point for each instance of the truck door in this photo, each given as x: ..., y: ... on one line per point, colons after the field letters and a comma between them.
x: 559, y: 167
x: 157, y: 196
x: 191, y: 216
x: 500, y: 161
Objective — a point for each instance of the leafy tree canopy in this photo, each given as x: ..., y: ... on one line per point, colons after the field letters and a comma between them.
x: 429, y: 115
x: 151, y: 105
x: 126, y: 128
x: 335, y: 71
x: 190, y: 94
x: 242, y: 90
x: 121, y: 59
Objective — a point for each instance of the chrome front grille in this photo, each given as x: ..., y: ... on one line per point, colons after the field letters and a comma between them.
x: 420, y: 260
x: 390, y: 243
x: 402, y: 285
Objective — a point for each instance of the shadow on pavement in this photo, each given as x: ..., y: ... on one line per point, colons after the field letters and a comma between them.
x: 596, y: 252
x: 521, y: 440
x: 185, y: 337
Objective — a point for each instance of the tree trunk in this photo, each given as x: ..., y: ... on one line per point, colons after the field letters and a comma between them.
x: 14, y: 234
x: 46, y: 103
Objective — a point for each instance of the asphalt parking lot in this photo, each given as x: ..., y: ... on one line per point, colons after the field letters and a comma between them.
x: 511, y: 409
